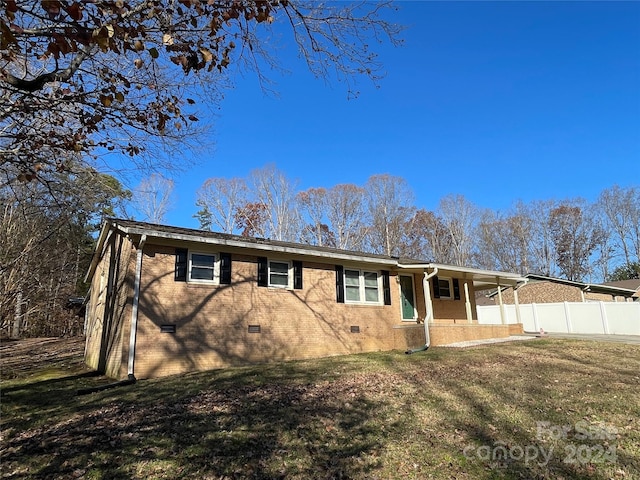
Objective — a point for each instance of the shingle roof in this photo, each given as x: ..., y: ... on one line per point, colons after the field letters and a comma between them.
x: 592, y: 287
x: 631, y: 284
x: 195, y: 233
x: 181, y: 234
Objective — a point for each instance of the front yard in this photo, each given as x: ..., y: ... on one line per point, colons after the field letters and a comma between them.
x: 546, y: 408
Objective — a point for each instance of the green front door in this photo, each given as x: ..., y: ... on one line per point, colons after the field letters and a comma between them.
x: 406, y: 294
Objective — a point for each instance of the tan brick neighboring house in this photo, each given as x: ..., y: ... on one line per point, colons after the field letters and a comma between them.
x: 633, y: 284
x: 167, y: 300
x: 542, y: 289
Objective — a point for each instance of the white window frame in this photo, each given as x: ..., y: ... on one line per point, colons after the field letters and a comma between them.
x: 215, y: 268
x: 450, y: 281
x: 362, y: 287
x: 289, y: 263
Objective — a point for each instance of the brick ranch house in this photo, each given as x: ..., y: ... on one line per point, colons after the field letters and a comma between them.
x: 166, y: 300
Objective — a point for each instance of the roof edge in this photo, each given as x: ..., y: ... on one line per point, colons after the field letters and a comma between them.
x: 166, y: 232
x: 587, y: 287
x: 215, y: 238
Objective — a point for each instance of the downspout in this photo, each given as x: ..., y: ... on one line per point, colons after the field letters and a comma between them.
x: 582, y: 290
x: 429, y: 307
x: 134, y: 309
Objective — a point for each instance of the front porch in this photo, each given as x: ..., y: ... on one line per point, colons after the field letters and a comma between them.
x: 444, y: 298
x: 446, y: 333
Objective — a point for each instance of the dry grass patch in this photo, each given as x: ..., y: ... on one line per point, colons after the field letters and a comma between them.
x: 446, y: 413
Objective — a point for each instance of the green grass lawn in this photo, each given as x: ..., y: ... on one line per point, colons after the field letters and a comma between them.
x: 546, y: 408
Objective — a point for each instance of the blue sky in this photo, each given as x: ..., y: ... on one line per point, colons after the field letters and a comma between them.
x: 497, y: 101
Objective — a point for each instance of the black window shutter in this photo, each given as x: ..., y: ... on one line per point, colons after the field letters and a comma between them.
x: 297, y: 274
x: 386, y: 288
x: 263, y: 273
x: 181, y: 265
x: 436, y: 287
x: 456, y: 289
x: 339, y: 284
x: 225, y: 268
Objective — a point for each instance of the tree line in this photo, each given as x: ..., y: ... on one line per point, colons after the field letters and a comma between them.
x: 568, y: 238
x: 90, y: 87
x: 47, y: 231
x: 47, y: 236
x: 80, y: 80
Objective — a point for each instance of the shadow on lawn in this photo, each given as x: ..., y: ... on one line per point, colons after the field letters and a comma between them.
x: 50, y: 381
x: 335, y: 418
x: 238, y: 425
x: 510, y: 424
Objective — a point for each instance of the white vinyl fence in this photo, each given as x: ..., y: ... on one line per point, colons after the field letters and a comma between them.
x: 568, y: 317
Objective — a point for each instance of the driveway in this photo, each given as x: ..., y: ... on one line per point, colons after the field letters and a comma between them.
x: 629, y: 339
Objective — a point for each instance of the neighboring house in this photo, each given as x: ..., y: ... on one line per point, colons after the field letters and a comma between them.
x: 167, y: 300
x: 633, y: 284
x: 541, y: 289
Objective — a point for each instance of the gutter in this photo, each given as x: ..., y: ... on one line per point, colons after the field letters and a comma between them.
x: 134, y: 309
x: 476, y: 272
x: 429, y: 307
x: 584, y: 290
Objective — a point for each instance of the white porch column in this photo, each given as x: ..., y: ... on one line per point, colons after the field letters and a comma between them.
x: 502, y: 312
x: 467, y: 302
x: 516, y: 302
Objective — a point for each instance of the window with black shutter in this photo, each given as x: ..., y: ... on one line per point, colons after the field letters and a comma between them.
x: 436, y: 287
x: 386, y: 288
x: 360, y: 286
x: 263, y: 272
x: 444, y: 288
x: 339, y: 284
x: 456, y: 289
x: 297, y: 275
x: 225, y: 268
x: 181, y: 265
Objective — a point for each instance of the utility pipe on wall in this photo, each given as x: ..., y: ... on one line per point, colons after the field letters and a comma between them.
x: 134, y: 309
x: 429, y: 308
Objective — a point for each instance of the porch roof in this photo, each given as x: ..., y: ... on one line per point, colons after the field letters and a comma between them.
x: 482, y: 279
